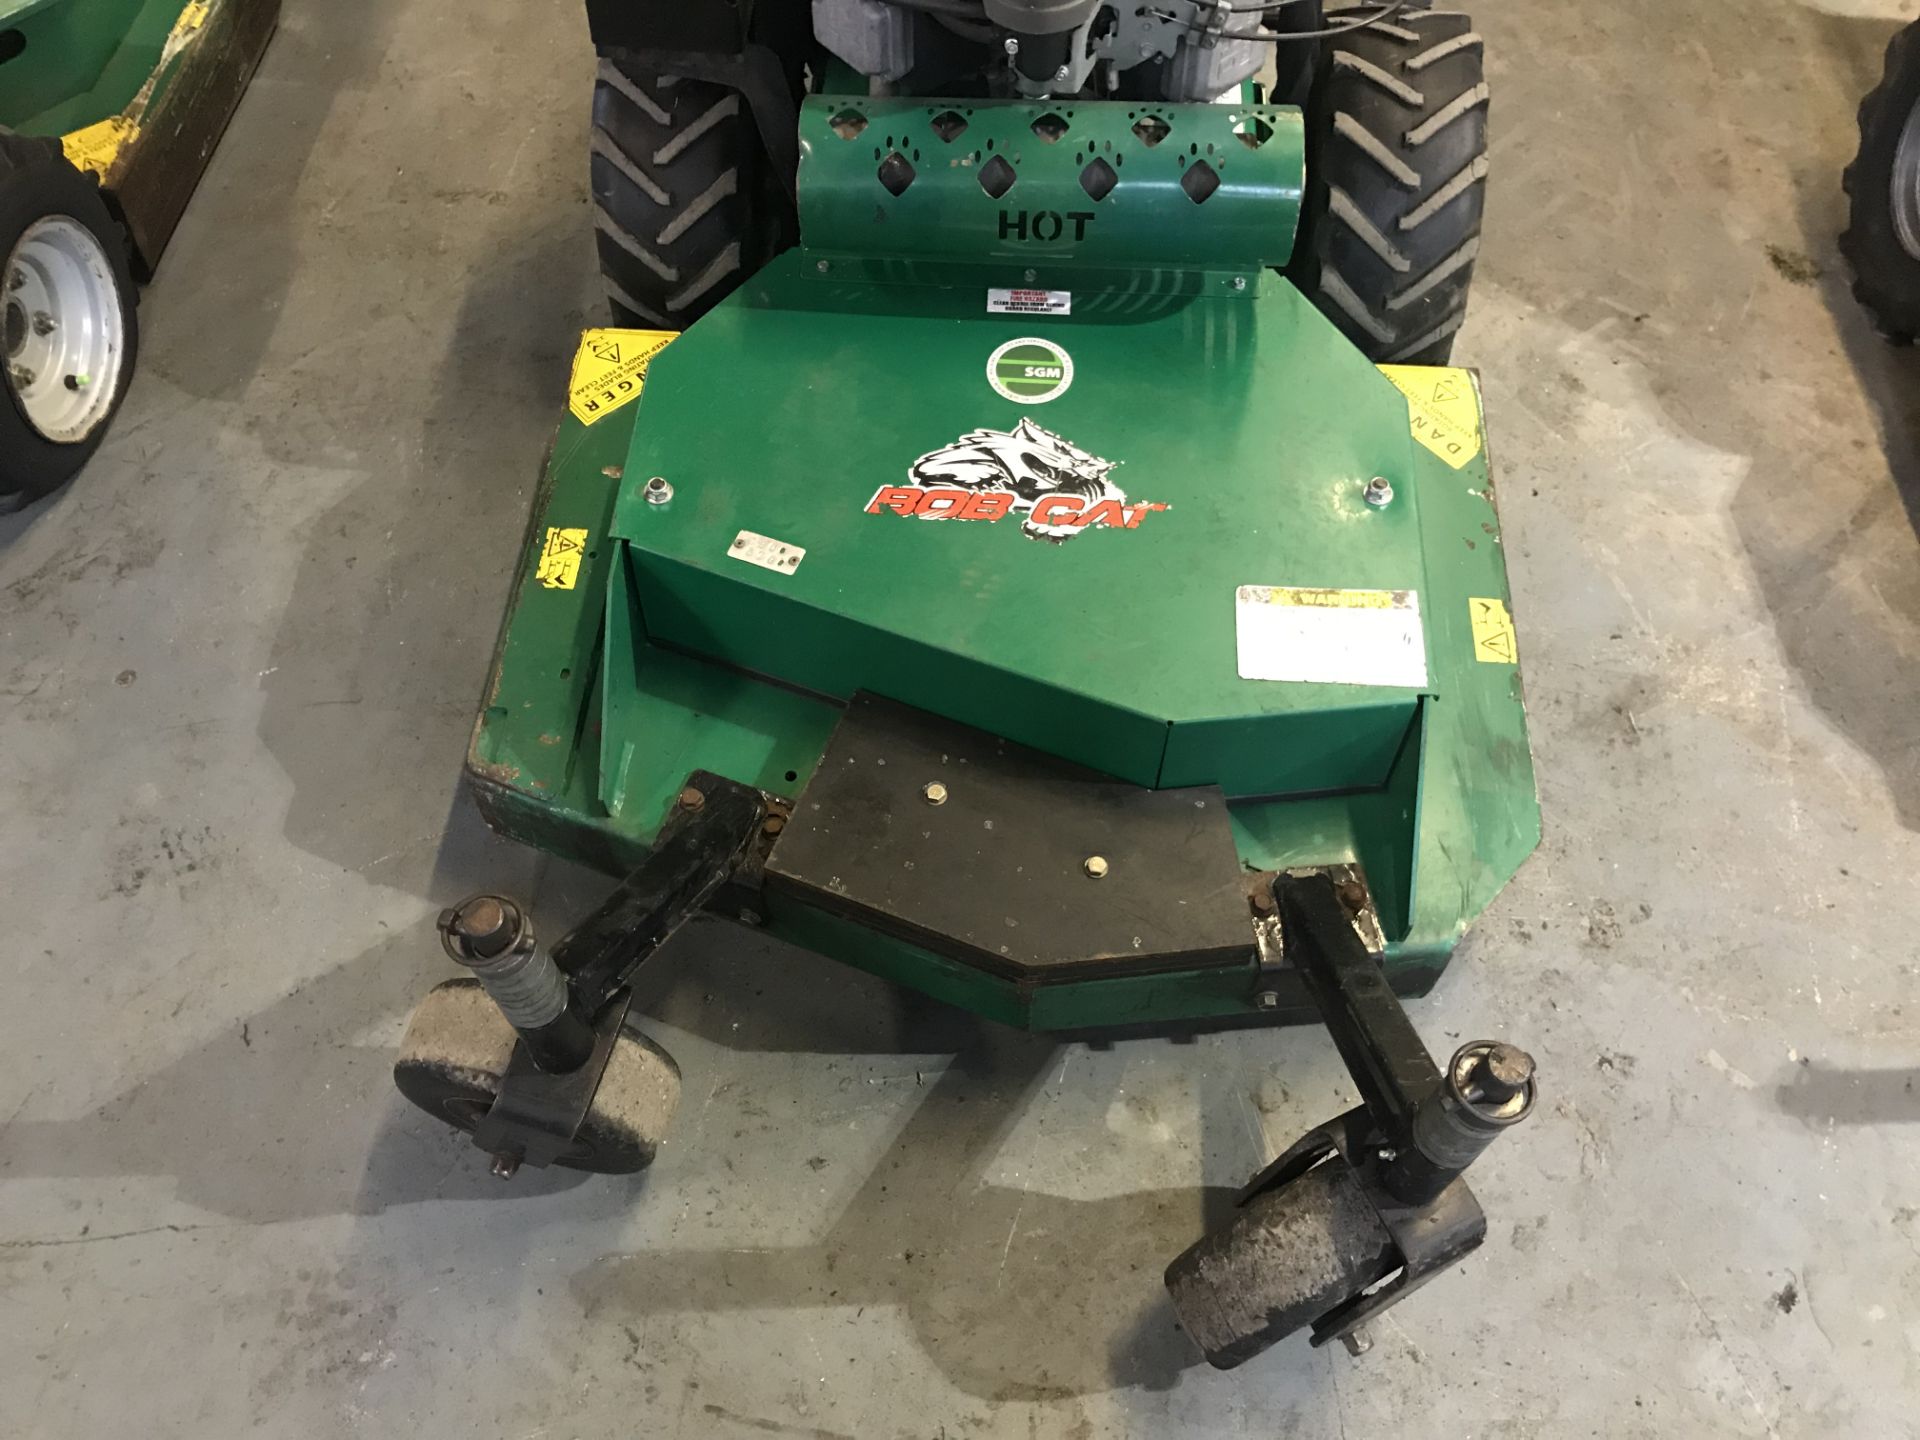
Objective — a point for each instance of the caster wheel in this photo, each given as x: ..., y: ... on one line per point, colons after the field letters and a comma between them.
x: 457, y: 1047
x: 1288, y: 1257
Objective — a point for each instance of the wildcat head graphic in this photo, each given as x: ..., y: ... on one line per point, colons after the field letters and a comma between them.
x: 1056, y: 488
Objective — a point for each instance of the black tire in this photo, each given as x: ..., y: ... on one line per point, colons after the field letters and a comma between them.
x: 457, y: 1047
x: 1396, y: 183
x: 1886, y: 266
x: 38, y: 183
x: 1287, y: 1257
x: 684, y: 206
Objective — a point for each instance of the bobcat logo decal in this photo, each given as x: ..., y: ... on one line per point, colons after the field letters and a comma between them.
x: 1056, y: 488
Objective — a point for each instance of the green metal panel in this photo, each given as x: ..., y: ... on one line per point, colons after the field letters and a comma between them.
x: 1068, y: 183
x: 83, y: 60
x: 1248, y: 418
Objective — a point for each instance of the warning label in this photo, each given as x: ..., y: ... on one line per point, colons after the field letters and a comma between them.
x: 1029, y: 302
x: 560, y: 555
x: 1493, y: 638
x: 97, y: 146
x: 1330, y: 637
x: 1443, y: 409
x: 610, y: 368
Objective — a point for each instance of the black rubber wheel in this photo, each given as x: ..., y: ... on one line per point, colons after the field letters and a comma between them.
x: 1396, y: 172
x: 457, y: 1047
x: 68, y: 333
x: 1882, y: 239
x: 1286, y: 1258
x: 684, y: 204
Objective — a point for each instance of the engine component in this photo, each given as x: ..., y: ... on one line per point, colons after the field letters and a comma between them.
x: 872, y: 36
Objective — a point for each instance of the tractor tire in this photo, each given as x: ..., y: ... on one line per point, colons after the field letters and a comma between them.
x: 1288, y: 1256
x: 684, y: 206
x: 1882, y: 240
x: 68, y: 330
x: 1396, y: 183
x: 456, y: 1050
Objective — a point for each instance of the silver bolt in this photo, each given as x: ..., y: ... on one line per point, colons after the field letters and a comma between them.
x: 823, y: 266
x: 1379, y: 492
x: 1063, y: 74
x: 1012, y: 47
x: 1096, y: 866
x: 44, y: 324
x: 505, y: 1166
x: 1357, y: 1340
x: 1239, y: 282
x: 934, y: 793
x: 22, y: 376
x: 1030, y: 276
x: 657, y: 490
x: 17, y: 280
x: 1268, y: 1000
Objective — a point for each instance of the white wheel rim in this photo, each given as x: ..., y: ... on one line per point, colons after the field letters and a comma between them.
x: 62, y: 329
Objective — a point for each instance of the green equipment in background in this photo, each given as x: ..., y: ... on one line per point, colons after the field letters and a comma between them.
x: 109, y: 113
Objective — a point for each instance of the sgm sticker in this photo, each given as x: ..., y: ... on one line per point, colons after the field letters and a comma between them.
x: 1330, y: 637
x: 610, y: 369
x: 559, y: 564
x: 1030, y: 371
x: 1494, y: 642
x: 1057, y: 489
x: 1443, y: 409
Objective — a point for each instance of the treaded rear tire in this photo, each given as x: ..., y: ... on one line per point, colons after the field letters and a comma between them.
x: 683, y: 205
x: 1886, y: 276
x: 1396, y: 183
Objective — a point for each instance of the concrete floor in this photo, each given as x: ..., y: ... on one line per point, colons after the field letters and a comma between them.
x: 237, y: 664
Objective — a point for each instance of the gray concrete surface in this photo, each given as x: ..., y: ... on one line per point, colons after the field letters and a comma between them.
x: 236, y: 669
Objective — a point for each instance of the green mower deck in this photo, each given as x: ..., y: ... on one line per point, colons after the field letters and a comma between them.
x: 1078, y: 527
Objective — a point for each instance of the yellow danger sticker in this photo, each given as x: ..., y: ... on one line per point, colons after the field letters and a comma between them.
x: 1443, y: 409
x: 610, y: 368
x: 1493, y: 639
x: 97, y: 146
x: 559, y: 567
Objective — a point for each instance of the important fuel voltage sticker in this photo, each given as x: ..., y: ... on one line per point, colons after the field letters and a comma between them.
x: 559, y: 565
x: 1494, y: 642
x: 1443, y: 409
x: 610, y: 369
x: 1029, y: 302
x: 1330, y: 637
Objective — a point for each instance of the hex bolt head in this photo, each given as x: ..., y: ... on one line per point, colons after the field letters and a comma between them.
x: 1011, y: 46
x: 1095, y: 866
x: 934, y: 793
x: 823, y: 266
x: 1357, y: 1341
x: 691, y: 799
x: 1268, y: 1000
x: 22, y: 376
x: 1063, y: 74
x: 504, y: 1166
x: 1030, y: 276
x: 657, y: 490
x: 44, y: 324
x: 1379, y: 492
x: 17, y: 280
x: 1239, y: 282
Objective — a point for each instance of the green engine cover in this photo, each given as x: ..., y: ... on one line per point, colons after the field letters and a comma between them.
x: 1055, y: 558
